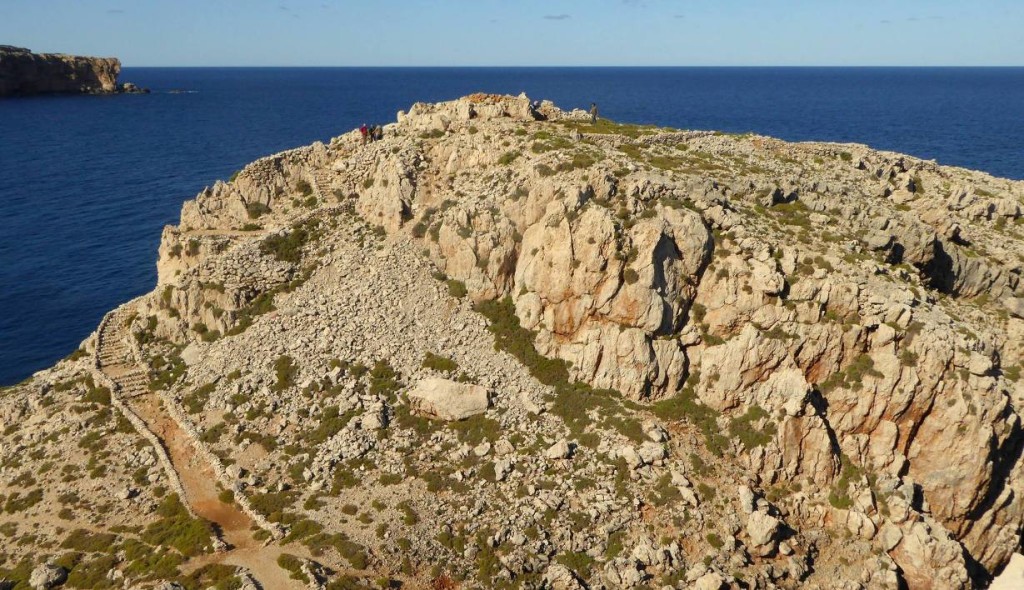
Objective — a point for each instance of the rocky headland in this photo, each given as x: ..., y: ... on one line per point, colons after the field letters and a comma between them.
x: 509, y: 348
x: 23, y: 73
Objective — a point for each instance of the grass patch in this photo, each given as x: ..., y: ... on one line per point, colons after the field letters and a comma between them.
x: 685, y: 406
x: 742, y: 428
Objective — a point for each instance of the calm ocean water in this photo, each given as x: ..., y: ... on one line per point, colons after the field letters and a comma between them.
x: 87, y: 183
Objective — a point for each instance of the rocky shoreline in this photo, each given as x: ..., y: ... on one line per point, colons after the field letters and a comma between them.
x: 23, y: 73
x: 506, y: 347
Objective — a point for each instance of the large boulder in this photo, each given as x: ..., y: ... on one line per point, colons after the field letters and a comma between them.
x: 46, y: 576
x: 442, y: 399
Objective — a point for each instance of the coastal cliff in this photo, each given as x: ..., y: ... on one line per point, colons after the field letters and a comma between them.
x: 508, y: 347
x: 25, y: 73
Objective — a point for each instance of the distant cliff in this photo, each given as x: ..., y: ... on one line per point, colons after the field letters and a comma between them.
x: 23, y: 73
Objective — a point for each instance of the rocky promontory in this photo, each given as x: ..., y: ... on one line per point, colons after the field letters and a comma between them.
x: 507, y: 347
x: 24, y: 73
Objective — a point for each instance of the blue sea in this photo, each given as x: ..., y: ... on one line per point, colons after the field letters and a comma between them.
x: 87, y: 183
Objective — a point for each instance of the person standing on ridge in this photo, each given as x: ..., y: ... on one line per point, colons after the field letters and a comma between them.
x: 593, y: 112
x: 364, y: 131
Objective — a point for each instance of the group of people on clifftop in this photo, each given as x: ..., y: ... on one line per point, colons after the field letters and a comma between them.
x: 371, y: 133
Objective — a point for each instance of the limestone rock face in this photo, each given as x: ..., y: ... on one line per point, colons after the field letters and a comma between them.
x: 598, y: 298
x: 443, y: 399
x: 23, y: 73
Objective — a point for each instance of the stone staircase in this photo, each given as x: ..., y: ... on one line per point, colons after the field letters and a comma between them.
x: 322, y: 185
x: 115, y: 358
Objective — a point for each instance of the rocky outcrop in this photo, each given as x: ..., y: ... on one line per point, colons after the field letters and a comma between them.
x: 645, y: 278
x: 677, y: 324
x: 24, y: 73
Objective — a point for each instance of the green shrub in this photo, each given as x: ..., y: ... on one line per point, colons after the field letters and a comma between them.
x: 273, y: 505
x: 853, y: 375
x: 145, y: 563
x: 168, y: 372
x: 177, y: 529
x: 287, y: 247
x: 839, y: 496
x: 476, y: 429
x: 331, y: 423
x: 908, y: 358
x: 89, y: 542
x: 286, y: 370
x: 214, y: 575
x: 96, y: 395
x: 439, y: 363
x: 92, y: 573
x: 457, y: 288
x: 255, y: 210
x: 409, y: 516
x: 383, y: 379
x: 196, y: 401
x: 508, y: 157
x: 292, y: 564
x: 1012, y: 373
x: 304, y: 188
x: 742, y: 428
x: 302, y: 529
x: 685, y: 406
x: 214, y: 433
x: 17, y: 503
x: 579, y: 562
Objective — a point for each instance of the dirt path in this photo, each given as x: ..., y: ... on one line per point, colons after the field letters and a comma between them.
x: 197, y: 477
x: 227, y: 233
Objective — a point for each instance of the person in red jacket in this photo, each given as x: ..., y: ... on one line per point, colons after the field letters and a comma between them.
x: 365, y: 132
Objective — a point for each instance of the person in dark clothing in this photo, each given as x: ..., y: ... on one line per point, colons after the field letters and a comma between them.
x: 535, y: 109
x: 593, y: 112
x: 378, y: 133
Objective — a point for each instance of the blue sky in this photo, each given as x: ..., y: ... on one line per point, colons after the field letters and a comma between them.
x: 522, y: 32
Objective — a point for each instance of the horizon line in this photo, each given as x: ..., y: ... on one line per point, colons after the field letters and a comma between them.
x: 426, y: 67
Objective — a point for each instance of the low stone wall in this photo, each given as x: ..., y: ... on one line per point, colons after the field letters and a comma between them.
x: 225, y: 480
x: 101, y: 379
x: 183, y: 423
